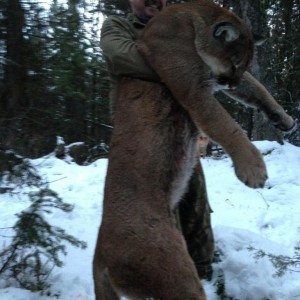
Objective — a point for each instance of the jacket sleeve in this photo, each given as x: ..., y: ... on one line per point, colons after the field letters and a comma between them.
x: 120, y: 52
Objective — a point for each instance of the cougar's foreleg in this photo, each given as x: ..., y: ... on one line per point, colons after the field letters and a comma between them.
x: 252, y: 93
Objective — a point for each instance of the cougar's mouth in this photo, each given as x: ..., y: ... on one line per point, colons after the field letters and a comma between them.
x: 221, y: 83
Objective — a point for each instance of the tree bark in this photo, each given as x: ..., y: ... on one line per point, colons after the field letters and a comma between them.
x: 13, y: 98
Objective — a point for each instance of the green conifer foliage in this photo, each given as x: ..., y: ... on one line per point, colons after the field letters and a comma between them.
x: 36, y: 245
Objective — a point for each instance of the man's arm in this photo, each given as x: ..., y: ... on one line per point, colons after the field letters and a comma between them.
x: 121, y: 54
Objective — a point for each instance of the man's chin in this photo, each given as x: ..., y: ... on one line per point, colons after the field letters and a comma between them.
x: 151, y: 11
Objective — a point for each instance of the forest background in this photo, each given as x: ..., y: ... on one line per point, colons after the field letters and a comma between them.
x: 53, y: 80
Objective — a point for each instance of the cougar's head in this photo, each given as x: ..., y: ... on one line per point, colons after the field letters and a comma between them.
x: 227, y: 53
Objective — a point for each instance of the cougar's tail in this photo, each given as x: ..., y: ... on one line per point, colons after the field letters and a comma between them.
x: 102, y: 284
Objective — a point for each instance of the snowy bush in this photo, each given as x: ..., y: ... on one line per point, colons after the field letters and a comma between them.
x: 17, y: 171
x: 36, y: 245
x: 282, y: 263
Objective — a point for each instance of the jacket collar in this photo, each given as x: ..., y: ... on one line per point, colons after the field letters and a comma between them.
x: 135, y: 20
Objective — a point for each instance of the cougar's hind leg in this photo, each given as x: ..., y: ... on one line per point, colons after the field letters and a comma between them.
x: 178, y: 275
x: 163, y: 271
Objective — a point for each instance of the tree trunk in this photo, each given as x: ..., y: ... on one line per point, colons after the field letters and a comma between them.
x: 13, y: 97
x: 254, y: 14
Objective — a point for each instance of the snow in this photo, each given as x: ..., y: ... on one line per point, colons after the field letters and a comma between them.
x: 266, y: 219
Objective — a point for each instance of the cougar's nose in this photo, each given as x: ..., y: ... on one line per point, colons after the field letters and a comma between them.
x: 227, y: 83
x: 234, y: 82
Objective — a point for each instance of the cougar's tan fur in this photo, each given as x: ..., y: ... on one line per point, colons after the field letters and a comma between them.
x: 196, y: 48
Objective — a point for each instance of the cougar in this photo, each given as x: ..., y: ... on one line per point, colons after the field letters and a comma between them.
x: 196, y: 48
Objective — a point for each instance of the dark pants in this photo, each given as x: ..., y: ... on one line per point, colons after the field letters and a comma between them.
x: 193, y: 214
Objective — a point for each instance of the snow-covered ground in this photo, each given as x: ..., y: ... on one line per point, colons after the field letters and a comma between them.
x: 266, y: 219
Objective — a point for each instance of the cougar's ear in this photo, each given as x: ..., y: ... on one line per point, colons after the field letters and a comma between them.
x: 258, y: 39
x: 228, y: 30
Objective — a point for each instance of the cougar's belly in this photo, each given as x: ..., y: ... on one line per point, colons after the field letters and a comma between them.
x: 154, y: 143
x: 185, y: 148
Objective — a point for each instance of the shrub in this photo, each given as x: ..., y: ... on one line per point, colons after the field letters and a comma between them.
x: 36, y: 245
x: 281, y: 263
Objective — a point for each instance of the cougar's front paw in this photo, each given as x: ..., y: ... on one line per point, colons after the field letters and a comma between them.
x: 250, y: 168
x: 286, y: 130
x: 283, y: 122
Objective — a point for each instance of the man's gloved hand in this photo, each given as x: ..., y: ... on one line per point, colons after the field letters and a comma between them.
x: 282, y: 121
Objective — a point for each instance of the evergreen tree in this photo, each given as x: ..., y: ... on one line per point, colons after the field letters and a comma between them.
x: 76, y: 68
x: 284, y: 55
x: 14, y: 101
x: 24, y: 95
x: 67, y: 68
x: 36, y: 245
